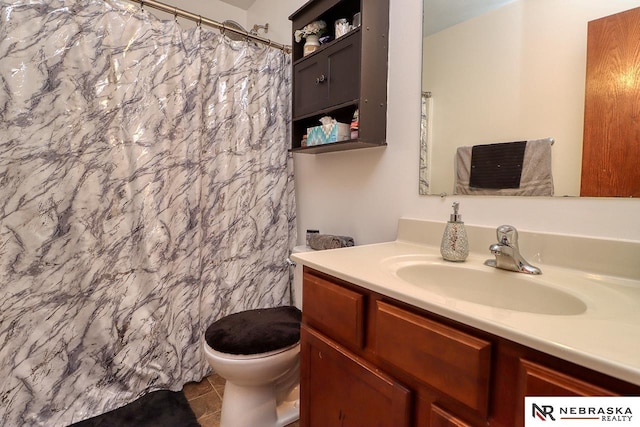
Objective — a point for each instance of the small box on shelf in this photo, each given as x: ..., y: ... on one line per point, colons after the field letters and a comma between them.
x: 328, y: 133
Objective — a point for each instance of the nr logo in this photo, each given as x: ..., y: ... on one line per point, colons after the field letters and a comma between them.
x: 543, y: 412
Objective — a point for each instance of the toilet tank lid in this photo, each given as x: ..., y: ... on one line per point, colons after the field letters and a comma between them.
x: 300, y: 249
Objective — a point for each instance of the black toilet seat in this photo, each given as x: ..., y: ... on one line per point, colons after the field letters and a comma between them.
x: 256, y: 331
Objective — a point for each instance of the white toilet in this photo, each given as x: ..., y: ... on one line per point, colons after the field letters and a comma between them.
x: 257, y: 352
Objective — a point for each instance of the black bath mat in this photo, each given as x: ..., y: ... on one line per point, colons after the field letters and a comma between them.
x: 161, y: 408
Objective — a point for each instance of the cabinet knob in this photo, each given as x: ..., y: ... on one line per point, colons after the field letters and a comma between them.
x: 320, y: 79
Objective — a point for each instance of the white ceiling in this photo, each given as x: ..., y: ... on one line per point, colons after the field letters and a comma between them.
x: 441, y: 14
x: 242, y: 4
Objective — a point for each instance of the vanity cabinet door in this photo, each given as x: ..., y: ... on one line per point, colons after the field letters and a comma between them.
x: 338, y: 388
x: 441, y: 418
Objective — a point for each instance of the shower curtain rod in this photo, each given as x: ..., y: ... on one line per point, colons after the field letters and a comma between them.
x: 202, y: 20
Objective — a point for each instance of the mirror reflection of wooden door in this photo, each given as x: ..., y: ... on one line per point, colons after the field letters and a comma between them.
x: 611, y: 145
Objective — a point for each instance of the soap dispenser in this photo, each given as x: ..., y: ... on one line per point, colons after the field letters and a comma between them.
x: 455, y: 245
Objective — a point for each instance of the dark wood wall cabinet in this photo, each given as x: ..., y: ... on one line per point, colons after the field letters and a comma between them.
x: 346, y: 74
x: 369, y: 360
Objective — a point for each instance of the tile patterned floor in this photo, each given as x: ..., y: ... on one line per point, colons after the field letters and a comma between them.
x: 205, y: 399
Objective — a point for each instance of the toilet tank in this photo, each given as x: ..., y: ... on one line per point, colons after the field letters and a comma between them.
x: 297, y: 277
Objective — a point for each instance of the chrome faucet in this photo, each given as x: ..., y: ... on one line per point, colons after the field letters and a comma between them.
x: 507, y: 253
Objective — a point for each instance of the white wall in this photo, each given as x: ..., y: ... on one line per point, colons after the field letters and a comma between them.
x: 362, y: 193
x: 212, y: 9
x: 512, y: 74
x: 276, y: 13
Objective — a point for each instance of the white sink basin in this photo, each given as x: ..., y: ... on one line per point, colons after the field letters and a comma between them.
x: 487, y: 286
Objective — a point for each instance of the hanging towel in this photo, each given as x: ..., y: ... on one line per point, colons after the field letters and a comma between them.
x: 535, y: 178
x: 328, y: 241
x: 497, y: 166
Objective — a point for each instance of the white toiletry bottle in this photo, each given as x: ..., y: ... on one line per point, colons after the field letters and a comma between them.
x: 455, y: 245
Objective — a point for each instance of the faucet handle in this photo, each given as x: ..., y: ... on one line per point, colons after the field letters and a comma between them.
x: 507, y: 235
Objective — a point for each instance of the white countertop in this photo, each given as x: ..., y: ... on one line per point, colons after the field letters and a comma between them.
x: 605, y: 337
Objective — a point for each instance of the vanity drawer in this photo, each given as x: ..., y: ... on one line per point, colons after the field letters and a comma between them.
x: 539, y: 380
x: 448, y: 360
x: 336, y: 311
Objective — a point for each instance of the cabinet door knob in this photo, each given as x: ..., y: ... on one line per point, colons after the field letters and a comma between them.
x: 320, y: 79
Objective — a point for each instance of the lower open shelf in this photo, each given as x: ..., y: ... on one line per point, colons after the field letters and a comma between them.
x: 336, y: 146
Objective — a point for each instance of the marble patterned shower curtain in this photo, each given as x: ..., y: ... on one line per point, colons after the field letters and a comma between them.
x: 145, y: 191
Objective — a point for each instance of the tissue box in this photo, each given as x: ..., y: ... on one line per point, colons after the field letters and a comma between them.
x: 324, y: 134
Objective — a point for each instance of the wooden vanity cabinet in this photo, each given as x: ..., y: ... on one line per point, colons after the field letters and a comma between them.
x: 441, y: 418
x: 369, y: 360
x: 346, y: 74
x: 341, y: 389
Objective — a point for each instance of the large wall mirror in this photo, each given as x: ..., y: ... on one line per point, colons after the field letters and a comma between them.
x: 506, y: 70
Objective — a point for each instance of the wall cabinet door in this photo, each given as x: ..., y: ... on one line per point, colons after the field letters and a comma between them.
x: 346, y: 390
x: 328, y: 78
x: 311, y: 93
x: 344, y: 70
